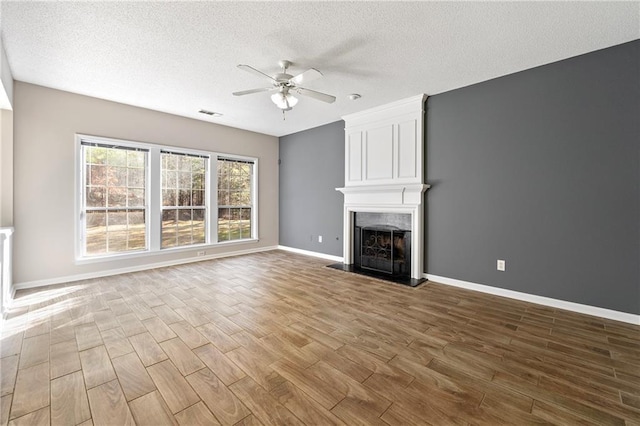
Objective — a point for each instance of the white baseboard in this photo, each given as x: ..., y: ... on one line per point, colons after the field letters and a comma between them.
x: 540, y: 300
x: 106, y: 273
x: 311, y: 253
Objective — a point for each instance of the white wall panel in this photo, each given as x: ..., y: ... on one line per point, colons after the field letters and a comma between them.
x: 354, y: 157
x: 407, y: 142
x: 379, y: 153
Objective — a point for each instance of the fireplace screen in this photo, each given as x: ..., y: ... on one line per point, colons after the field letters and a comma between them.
x: 383, y: 249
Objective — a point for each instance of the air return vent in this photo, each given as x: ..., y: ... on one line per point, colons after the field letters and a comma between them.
x: 211, y: 113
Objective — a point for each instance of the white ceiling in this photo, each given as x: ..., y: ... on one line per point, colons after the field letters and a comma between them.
x: 179, y: 57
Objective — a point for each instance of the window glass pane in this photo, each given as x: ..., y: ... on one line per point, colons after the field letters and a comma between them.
x: 244, y: 198
x: 198, y: 226
x: 171, y: 180
x: 96, y: 155
x: 198, y: 165
x: 169, y: 228
x: 136, y: 178
x: 235, y: 198
x: 184, y: 197
x: 198, y: 180
x: 98, y: 175
x: 117, y: 176
x: 197, y: 198
x: 168, y: 197
x: 234, y: 227
x: 116, y: 157
x: 115, y: 181
x: 135, y: 198
x: 135, y: 159
x: 96, y: 197
x: 116, y: 197
x: 184, y: 163
x: 184, y: 227
x: 245, y: 223
x: 223, y: 197
x: 224, y: 216
x: 116, y: 231
x: 96, y: 237
x: 184, y: 180
x: 169, y: 162
x: 137, y: 231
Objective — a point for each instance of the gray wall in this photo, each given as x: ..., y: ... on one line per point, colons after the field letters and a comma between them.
x: 541, y: 168
x: 312, y: 166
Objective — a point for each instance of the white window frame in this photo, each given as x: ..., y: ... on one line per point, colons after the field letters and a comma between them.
x: 254, y: 197
x: 153, y: 199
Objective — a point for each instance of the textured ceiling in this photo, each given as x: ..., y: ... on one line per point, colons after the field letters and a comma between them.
x: 179, y: 57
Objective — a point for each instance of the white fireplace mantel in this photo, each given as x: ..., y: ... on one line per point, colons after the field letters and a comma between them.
x: 403, y: 199
x: 384, y: 195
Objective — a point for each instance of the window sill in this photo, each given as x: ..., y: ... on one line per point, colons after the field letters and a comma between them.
x: 143, y: 254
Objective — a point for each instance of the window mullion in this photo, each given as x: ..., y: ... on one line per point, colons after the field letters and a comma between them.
x: 154, y: 200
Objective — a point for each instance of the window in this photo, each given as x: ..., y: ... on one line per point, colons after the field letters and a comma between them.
x: 113, y: 202
x: 144, y: 198
x: 183, y: 199
x: 235, y: 178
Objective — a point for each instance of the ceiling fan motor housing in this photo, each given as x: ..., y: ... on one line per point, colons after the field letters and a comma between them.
x: 282, y: 78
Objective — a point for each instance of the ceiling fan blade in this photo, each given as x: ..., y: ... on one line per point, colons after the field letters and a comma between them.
x: 305, y: 77
x: 315, y: 95
x: 250, y: 91
x: 252, y: 70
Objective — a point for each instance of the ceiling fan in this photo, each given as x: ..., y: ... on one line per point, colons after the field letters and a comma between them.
x: 283, y: 84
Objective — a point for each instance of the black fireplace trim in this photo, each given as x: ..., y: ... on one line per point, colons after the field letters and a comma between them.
x: 411, y: 282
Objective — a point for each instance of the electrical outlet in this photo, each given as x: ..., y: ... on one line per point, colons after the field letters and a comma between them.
x: 502, y: 265
x: 319, y: 238
x: 202, y: 253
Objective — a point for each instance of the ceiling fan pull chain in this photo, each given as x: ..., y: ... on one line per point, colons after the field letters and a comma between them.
x: 284, y: 117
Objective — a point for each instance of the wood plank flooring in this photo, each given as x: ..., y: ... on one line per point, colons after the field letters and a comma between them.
x: 277, y: 339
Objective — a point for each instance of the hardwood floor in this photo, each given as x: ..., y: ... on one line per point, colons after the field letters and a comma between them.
x: 277, y: 338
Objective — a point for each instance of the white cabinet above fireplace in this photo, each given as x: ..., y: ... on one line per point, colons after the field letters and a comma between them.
x: 384, y: 145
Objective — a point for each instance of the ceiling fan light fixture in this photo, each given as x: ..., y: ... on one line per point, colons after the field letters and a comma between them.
x: 284, y: 101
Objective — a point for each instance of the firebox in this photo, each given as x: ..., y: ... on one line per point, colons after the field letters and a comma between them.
x: 383, y: 249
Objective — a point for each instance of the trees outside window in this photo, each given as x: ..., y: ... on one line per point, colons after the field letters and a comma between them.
x: 235, y: 201
x: 114, y: 201
x: 141, y: 197
x: 183, y: 199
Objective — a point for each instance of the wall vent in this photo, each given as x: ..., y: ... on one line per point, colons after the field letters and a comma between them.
x: 211, y: 113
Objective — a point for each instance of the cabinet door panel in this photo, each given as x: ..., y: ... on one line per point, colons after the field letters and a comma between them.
x: 407, y: 149
x: 354, y: 160
x: 379, y: 153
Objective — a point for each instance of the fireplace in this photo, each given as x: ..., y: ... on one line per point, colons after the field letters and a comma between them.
x: 384, y: 191
x: 383, y: 249
x: 382, y: 243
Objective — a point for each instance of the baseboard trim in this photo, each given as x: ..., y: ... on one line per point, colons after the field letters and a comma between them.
x: 110, y: 272
x: 540, y: 300
x: 312, y: 253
